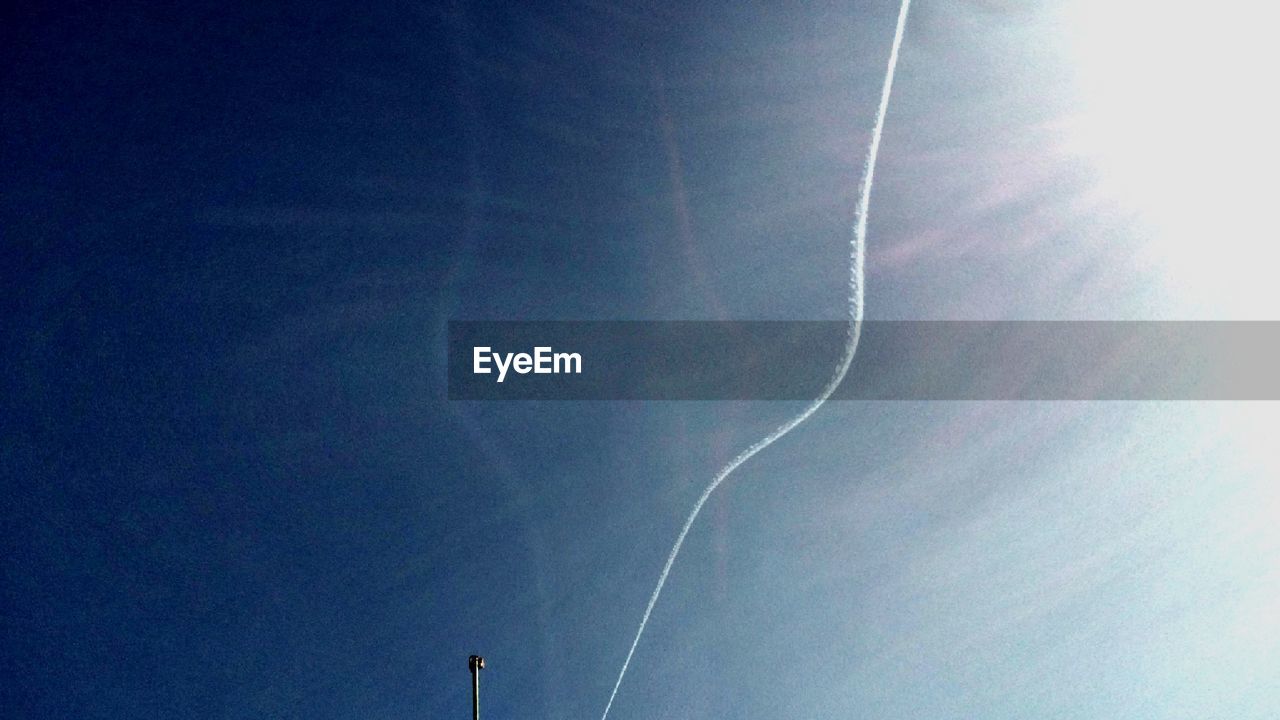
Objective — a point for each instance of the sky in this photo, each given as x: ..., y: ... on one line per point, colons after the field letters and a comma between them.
x: 234, y: 233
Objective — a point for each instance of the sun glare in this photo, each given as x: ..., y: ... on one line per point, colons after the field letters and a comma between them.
x: 1178, y: 116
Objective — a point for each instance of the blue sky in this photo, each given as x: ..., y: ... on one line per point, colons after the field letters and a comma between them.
x: 233, y: 234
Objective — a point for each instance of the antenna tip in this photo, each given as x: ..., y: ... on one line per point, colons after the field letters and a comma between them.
x: 475, y: 662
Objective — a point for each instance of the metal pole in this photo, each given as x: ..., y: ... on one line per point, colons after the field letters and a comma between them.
x: 475, y: 663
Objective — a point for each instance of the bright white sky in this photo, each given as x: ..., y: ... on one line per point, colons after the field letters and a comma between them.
x: 1178, y: 113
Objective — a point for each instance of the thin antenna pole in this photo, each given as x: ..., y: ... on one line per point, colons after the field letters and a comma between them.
x: 475, y: 663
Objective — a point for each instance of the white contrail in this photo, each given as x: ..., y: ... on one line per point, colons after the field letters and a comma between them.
x: 857, y: 245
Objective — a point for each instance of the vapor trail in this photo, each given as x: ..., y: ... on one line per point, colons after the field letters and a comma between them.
x: 857, y: 249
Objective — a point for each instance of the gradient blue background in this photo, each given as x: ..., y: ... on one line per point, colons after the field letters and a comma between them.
x: 233, y: 234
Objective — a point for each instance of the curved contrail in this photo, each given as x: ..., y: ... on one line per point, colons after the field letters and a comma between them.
x: 857, y: 247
